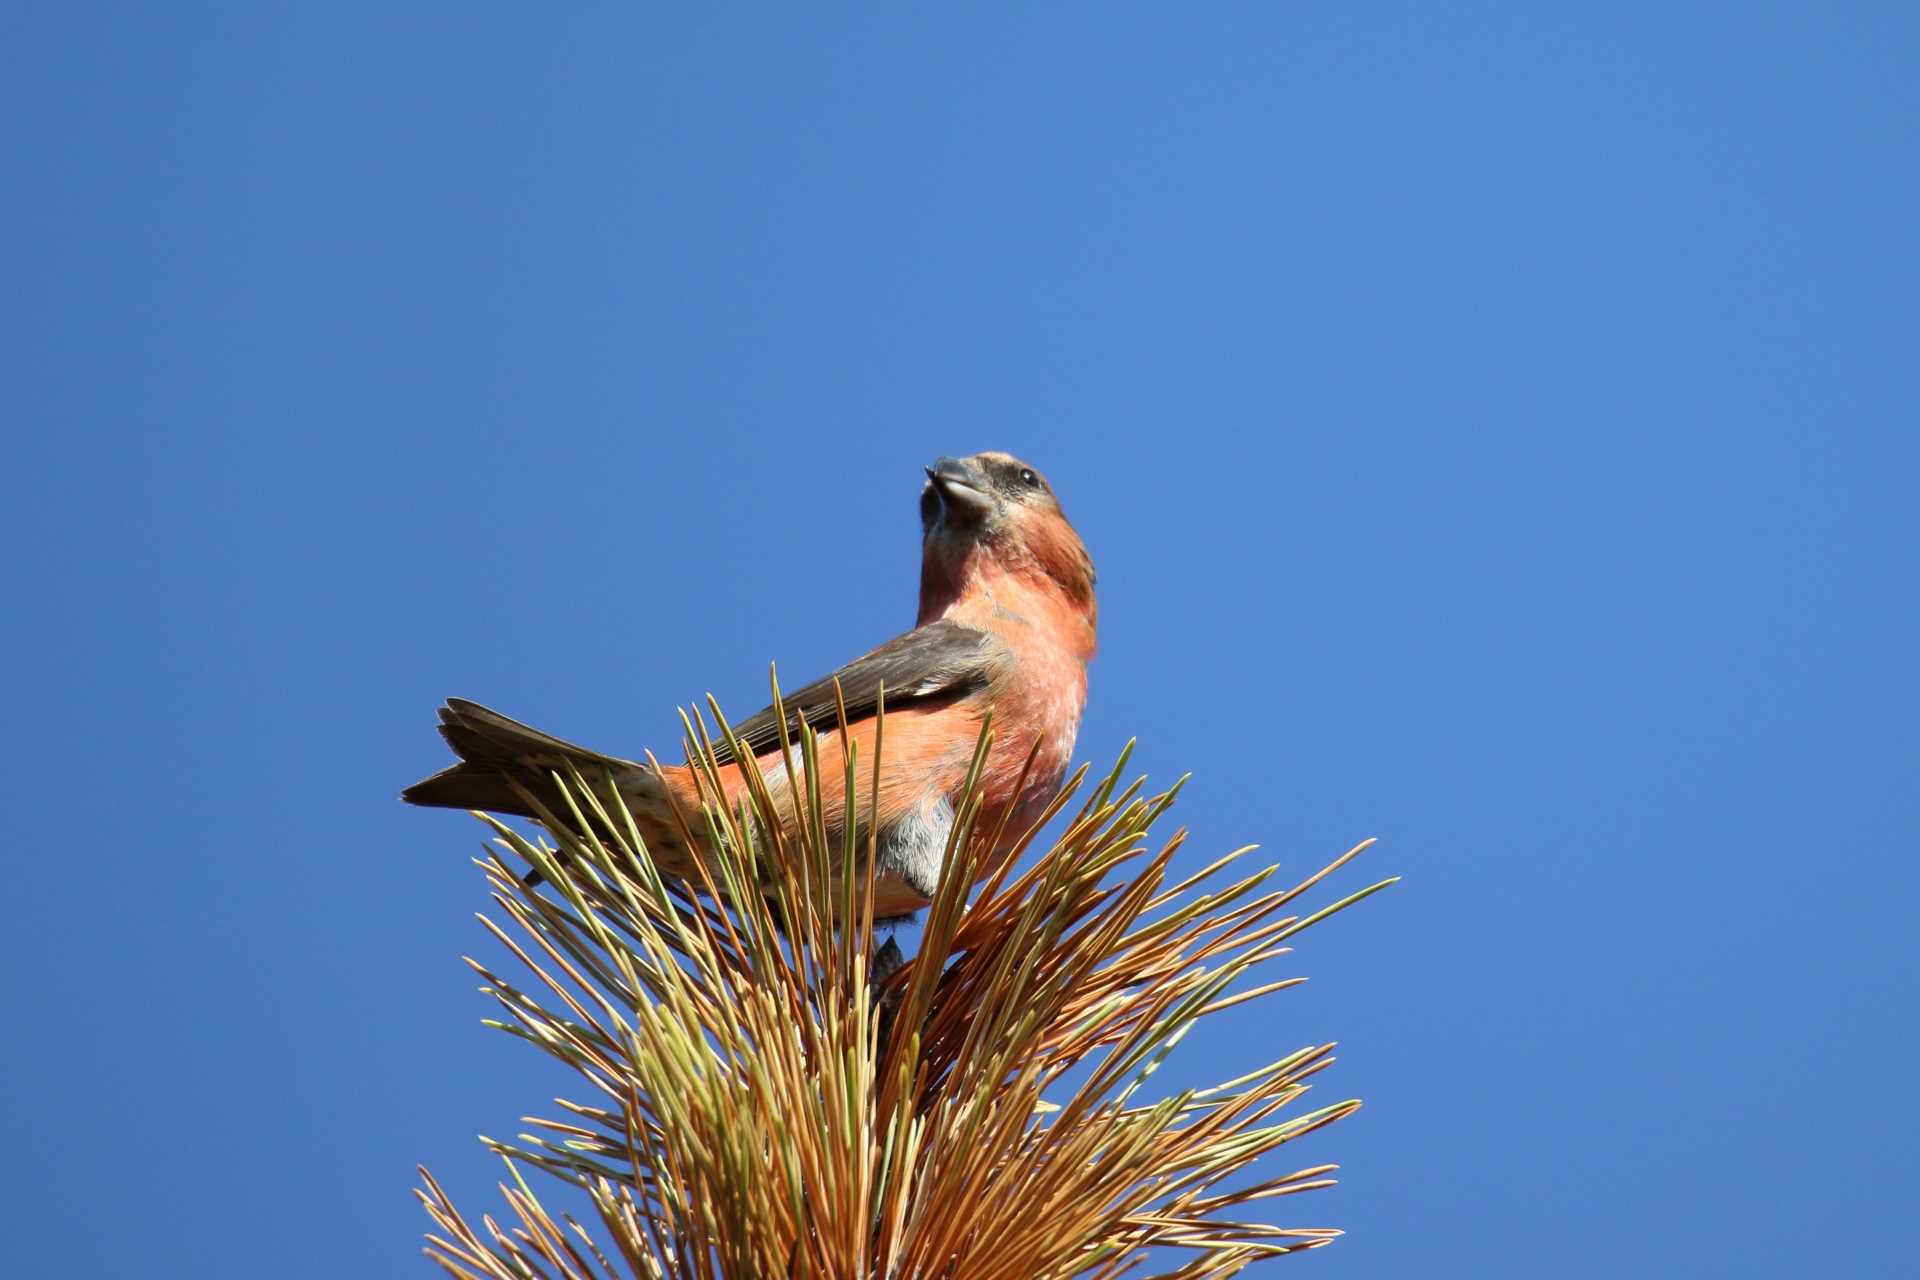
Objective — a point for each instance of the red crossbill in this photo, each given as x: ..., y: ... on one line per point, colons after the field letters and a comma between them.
x: 1006, y: 623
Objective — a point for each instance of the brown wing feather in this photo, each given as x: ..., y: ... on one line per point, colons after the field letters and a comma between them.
x: 940, y: 661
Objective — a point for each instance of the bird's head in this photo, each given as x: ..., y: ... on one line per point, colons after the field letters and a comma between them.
x: 992, y: 514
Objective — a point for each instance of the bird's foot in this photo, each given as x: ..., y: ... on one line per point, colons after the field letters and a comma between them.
x: 888, y: 960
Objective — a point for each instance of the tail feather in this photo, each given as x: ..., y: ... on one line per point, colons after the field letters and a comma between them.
x: 504, y: 762
x: 495, y: 751
x: 508, y: 739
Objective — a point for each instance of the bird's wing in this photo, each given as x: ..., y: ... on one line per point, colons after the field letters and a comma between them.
x: 942, y: 660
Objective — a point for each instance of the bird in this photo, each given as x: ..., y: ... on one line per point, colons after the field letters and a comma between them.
x: 1006, y: 626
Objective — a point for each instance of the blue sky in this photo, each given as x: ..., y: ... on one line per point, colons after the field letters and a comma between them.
x: 1494, y: 426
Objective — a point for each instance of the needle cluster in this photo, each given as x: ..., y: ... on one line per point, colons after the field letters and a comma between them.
x: 757, y: 1100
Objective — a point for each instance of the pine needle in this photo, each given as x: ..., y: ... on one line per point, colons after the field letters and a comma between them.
x: 765, y: 1108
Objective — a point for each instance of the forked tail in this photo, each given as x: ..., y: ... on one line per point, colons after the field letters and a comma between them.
x: 496, y: 752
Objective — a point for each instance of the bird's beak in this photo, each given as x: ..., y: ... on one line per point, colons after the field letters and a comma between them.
x: 962, y: 488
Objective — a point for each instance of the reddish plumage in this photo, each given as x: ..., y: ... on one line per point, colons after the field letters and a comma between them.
x: 1007, y: 621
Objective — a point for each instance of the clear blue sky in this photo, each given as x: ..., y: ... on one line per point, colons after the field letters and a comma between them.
x: 1495, y: 429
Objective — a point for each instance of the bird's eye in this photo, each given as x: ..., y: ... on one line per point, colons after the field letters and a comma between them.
x: 1029, y: 479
